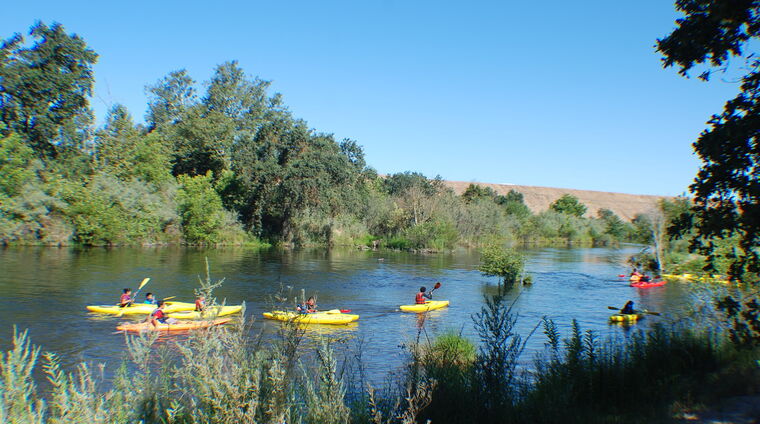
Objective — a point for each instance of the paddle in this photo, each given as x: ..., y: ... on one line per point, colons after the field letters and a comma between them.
x: 142, y: 284
x: 437, y: 286
x: 641, y: 311
x: 170, y: 297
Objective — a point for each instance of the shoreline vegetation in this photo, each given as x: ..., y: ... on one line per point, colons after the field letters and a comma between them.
x: 227, y: 166
x: 671, y: 371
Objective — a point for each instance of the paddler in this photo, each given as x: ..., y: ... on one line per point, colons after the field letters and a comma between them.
x: 308, y: 307
x: 628, y: 308
x: 423, y: 297
x: 150, y: 299
x: 158, y: 315
x: 126, y: 298
x: 200, y: 303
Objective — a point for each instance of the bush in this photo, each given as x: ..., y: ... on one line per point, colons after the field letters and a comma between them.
x: 506, y: 264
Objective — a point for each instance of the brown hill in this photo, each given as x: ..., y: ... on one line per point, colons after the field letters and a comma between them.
x: 538, y: 199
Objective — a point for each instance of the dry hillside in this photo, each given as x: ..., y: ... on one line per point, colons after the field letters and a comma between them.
x: 538, y: 199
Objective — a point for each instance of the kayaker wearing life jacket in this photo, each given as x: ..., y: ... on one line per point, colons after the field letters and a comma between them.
x: 126, y: 298
x: 200, y: 303
x: 628, y: 308
x: 308, y: 307
x: 421, y: 297
x: 158, y: 315
x: 150, y: 299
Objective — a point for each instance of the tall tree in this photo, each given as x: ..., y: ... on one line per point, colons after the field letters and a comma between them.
x: 727, y: 187
x: 44, y: 88
x: 569, y: 204
x: 169, y: 98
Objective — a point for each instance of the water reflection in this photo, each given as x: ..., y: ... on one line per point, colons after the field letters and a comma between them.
x: 47, y: 289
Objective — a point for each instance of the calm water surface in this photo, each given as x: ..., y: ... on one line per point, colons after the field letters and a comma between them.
x: 46, y: 290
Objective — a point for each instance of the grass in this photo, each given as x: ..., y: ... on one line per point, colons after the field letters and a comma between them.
x: 221, y: 375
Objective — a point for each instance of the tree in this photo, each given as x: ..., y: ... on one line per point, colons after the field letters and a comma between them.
x: 200, y: 209
x: 169, y: 98
x: 569, y: 204
x: 726, y: 189
x: 514, y: 204
x: 475, y: 192
x: 44, y: 88
x: 506, y: 264
x: 614, y: 226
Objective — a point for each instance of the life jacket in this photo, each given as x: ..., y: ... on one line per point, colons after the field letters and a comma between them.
x: 158, y: 315
x: 124, y: 299
x: 199, y: 305
x: 420, y: 298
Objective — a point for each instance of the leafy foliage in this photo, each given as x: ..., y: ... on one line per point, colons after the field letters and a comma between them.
x: 44, y: 88
x: 498, y: 261
x: 569, y: 204
x: 726, y: 194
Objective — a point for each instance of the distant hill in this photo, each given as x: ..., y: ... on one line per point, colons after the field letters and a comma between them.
x: 538, y: 199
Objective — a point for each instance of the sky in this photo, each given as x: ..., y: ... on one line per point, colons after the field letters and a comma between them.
x: 553, y: 93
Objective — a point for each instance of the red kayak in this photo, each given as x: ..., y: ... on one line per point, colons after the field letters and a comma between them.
x: 643, y: 285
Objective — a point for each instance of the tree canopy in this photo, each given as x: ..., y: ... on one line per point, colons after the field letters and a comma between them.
x: 726, y: 190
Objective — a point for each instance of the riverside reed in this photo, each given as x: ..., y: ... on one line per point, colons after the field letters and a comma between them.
x: 221, y: 375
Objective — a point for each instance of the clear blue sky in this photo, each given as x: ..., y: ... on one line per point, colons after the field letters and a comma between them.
x: 554, y: 93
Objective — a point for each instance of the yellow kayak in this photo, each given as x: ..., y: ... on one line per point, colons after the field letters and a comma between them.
x: 140, y: 308
x: 428, y: 306
x: 214, y: 311
x: 626, y: 317
x: 180, y: 326
x: 328, y: 317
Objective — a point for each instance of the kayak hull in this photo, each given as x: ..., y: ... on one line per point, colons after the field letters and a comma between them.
x: 428, y: 306
x: 217, y: 311
x: 140, y: 308
x: 313, y: 318
x: 180, y: 326
x: 642, y: 285
x: 626, y: 317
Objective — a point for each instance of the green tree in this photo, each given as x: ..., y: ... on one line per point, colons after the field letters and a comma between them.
x: 16, y: 165
x: 514, y: 204
x: 200, y: 209
x: 727, y: 200
x: 506, y: 264
x: 475, y: 192
x: 569, y: 204
x: 44, y: 88
x: 614, y: 226
x: 169, y: 99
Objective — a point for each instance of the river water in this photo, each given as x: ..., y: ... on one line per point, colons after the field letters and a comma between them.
x: 46, y: 290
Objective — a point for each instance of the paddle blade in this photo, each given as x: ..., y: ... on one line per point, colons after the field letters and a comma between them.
x: 345, y: 311
x: 437, y: 285
x: 144, y: 282
x: 170, y: 297
x: 614, y: 308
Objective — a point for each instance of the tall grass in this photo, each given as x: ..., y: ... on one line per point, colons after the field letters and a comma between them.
x: 222, y: 375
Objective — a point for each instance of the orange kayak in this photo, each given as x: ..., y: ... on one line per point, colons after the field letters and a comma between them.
x: 179, y: 326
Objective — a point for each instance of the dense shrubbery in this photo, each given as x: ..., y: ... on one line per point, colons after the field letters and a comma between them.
x: 231, y: 165
x: 220, y: 375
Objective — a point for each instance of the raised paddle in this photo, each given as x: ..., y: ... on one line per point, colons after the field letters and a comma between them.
x: 170, y: 297
x: 437, y: 286
x: 638, y: 310
x: 142, y: 284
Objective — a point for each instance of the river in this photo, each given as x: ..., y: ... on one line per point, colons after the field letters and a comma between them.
x: 46, y: 290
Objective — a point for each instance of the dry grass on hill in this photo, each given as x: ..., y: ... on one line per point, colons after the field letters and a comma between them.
x: 538, y: 199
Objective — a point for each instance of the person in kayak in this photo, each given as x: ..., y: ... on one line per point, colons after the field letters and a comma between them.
x: 150, y: 299
x: 158, y: 315
x: 421, y: 297
x: 308, y: 307
x: 200, y: 303
x: 628, y: 308
x: 126, y: 298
